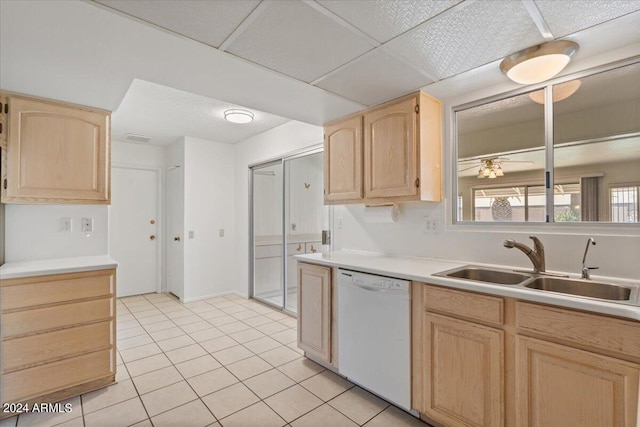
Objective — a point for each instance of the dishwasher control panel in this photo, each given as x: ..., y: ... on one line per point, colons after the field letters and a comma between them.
x: 379, y: 282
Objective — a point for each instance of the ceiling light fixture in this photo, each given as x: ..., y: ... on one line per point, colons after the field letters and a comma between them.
x: 238, y: 116
x: 560, y: 91
x: 539, y: 63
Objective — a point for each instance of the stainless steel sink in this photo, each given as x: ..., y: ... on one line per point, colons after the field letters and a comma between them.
x: 584, y: 288
x: 487, y: 275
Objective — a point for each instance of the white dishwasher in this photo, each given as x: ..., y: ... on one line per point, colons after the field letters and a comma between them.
x: 374, y: 334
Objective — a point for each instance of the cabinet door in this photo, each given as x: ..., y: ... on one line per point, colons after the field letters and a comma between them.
x: 391, y: 151
x: 343, y: 161
x: 314, y: 310
x: 561, y: 386
x: 56, y: 154
x: 463, y: 372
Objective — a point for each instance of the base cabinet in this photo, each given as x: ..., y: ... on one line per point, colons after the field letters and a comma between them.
x: 57, y: 336
x: 559, y: 386
x: 464, y: 365
x: 314, y: 310
x: 482, y: 360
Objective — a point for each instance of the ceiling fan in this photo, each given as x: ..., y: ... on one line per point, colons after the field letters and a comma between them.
x: 491, y: 167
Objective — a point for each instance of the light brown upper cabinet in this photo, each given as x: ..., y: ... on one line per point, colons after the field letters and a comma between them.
x: 54, y: 152
x: 400, y: 156
x: 343, y: 160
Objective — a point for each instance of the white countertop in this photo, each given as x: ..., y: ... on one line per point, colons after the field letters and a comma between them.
x: 422, y: 269
x: 14, y: 270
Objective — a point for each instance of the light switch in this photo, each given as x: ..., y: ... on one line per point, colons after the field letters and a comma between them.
x: 87, y: 225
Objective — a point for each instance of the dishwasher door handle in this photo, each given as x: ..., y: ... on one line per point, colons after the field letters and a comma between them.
x: 374, y: 289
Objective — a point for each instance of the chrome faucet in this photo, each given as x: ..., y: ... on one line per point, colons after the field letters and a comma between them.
x: 585, y: 269
x: 536, y: 256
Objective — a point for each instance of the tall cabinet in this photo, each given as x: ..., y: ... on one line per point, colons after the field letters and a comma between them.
x: 53, y: 152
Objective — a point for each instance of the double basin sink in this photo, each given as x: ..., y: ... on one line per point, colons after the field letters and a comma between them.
x: 562, y: 285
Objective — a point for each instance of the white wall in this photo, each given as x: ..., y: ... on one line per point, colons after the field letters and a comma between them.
x: 126, y: 153
x: 32, y: 232
x: 269, y: 145
x: 209, y: 207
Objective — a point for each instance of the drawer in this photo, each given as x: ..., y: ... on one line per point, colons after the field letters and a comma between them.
x: 313, y: 247
x: 56, y: 289
x: 295, y: 248
x: 33, y: 382
x: 268, y: 251
x: 55, y: 317
x: 467, y: 305
x: 50, y: 346
x: 590, y: 330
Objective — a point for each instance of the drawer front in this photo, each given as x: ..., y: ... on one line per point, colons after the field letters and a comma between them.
x: 268, y: 251
x: 313, y: 247
x: 56, y: 291
x: 40, y: 380
x: 596, y: 331
x: 20, y: 353
x: 59, y: 316
x: 467, y: 305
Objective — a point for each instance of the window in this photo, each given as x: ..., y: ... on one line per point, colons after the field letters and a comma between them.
x: 553, y: 152
x: 624, y: 204
x: 526, y: 203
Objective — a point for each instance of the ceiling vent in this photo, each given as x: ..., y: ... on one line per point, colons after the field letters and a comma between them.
x: 140, y: 139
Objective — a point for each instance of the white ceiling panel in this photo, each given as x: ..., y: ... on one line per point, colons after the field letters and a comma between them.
x: 467, y: 37
x: 374, y: 78
x: 568, y: 16
x: 384, y: 20
x: 166, y: 115
x: 209, y: 22
x: 296, y: 40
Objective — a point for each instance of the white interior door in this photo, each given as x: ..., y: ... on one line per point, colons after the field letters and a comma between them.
x: 133, y: 233
x: 175, y: 228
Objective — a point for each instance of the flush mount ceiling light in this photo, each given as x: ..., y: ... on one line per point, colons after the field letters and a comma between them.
x: 539, y: 63
x: 560, y: 91
x: 238, y: 116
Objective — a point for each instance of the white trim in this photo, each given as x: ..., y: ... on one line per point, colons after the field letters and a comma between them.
x: 160, y: 252
x: 255, y: 13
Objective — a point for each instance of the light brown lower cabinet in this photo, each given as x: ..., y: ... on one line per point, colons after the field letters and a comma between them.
x: 314, y: 310
x: 465, y: 369
x: 482, y: 360
x: 57, y: 336
x: 561, y: 386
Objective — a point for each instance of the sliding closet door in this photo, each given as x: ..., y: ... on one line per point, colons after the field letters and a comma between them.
x: 267, y: 214
x: 306, y: 216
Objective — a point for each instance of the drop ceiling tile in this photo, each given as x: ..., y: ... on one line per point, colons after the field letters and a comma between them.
x: 468, y: 37
x: 568, y: 16
x: 209, y: 22
x: 296, y: 40
x: 166, y: 114
x: 383, y: 20
x: 374, y: 78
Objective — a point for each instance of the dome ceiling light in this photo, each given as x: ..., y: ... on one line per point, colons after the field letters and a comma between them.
x: 238, y: 116
x: 539, y: 63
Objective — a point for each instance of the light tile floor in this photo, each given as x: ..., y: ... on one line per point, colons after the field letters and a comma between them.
x: 226, y: 361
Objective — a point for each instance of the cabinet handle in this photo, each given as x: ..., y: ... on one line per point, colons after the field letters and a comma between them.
x: 418, y: 182
x: 177, y: 239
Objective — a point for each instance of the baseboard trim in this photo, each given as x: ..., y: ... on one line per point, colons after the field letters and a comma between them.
x: 219, y: 294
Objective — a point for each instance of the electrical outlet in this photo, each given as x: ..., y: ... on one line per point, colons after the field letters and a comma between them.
x: 87, y: 225
x: 431, y: 225
x: 66, y: 224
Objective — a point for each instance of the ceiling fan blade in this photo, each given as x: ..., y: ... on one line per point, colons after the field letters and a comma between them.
x: 466, y: 169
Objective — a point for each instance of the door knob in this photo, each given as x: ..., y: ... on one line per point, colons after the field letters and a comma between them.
x: 152, y: 237
x: 177, y: 239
